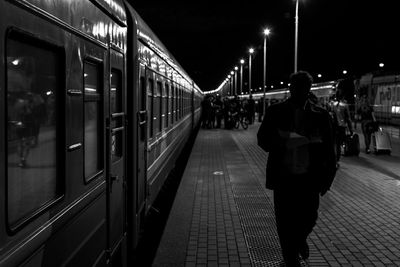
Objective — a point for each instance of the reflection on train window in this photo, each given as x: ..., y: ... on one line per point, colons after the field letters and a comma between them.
x: 166, y: 105
x: 158, y: 109
x: 93, y: 121
x: 150, y: 96
x: 116, y: 107
x: 33, y: 84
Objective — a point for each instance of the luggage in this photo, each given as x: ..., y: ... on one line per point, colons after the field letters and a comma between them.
x: 381, y: 142
x: 351, y: 145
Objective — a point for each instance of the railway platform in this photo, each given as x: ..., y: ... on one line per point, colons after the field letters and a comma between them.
x: 223, y: 215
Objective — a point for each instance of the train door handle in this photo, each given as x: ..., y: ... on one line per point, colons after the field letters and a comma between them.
x: 114, y: 178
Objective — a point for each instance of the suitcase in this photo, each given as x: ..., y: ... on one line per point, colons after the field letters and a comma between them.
x: 381, y: 142
x: 351, y: 145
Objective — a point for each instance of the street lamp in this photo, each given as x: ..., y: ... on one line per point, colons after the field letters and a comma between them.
x: 266, y: 33
x: 251, y: 51
x: 296, y: 34
x: 381, y: 65
x: 233, y: 82
x: 241, y: 75
x: 319, y: 75
x: 236, y: 85
x: 230, y: 84
x: 344, y: 72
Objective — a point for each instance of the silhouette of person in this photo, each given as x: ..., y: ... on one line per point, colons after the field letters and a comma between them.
x: 342, y: 119
x: 251, y: 109
x: 368, y: 121
x: 301, y: 164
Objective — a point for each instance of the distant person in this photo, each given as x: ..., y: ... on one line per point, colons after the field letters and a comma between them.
x: 260, y: 108
x: 21, y: 118
x: 218, y: 110
x: 301, y: 164
x: 205, y: 111
x: 368, y: 121
x: 251, y: 108
x: 342, y: 120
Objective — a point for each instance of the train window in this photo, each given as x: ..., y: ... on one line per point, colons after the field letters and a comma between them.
x: 176, y: 104
x: 172, y: 104
x: 182, y: 96
x: 116, y: 107
x: 184, y: 103
x: 34, y: 91
x: 116, y: 92
x: 150, y: 98
x: 93, y: 133
x: 142, y: 106
x: 166, y: 106
x: 159, y: 102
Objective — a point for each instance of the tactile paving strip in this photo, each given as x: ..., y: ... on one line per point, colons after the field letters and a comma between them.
x: 257, y: 218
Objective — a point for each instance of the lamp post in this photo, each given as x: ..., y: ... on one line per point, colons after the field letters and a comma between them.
x: 241, y: 76
x: 236, y: 85
x: 230, y: 84
x: 296, y: 34
x: 266, y: 33
x: 251, y: 51
x: 233, y: 82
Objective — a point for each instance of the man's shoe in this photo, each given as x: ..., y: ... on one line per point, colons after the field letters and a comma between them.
x: 367, y: 151
x: 304, y: 251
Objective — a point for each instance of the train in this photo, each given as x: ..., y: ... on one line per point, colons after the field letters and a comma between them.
x: 324, y: 91
x: 382, y: 90
x: 96, y: 111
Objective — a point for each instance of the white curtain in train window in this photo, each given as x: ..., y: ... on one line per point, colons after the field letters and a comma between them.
x: 33, y: 85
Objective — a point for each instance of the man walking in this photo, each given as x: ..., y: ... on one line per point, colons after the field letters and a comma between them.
x: 301, y: 165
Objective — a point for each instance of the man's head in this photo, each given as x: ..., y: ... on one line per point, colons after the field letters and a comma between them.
x: 300, y: 85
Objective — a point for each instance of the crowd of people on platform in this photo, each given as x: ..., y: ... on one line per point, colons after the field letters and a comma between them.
x: 216, y: 110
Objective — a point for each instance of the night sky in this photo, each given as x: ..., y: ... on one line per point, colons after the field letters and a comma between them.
x: 209, y: 37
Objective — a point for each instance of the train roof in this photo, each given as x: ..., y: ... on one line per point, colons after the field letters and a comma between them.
x: 379, y: 77
x: 148, y: 37
x: 115, y: 8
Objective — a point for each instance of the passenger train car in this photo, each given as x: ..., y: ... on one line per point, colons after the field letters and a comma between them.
x: 323, y: 91
x: 383, y: 92
x: 95, y: 111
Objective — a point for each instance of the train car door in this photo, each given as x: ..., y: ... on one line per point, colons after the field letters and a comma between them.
x: 116, y: 155
x: 143, y: 122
